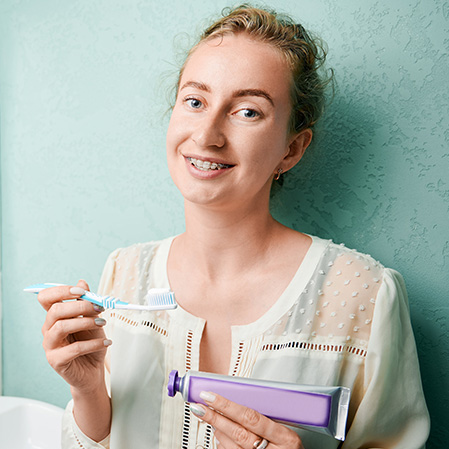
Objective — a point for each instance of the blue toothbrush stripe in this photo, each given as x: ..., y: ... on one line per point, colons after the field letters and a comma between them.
x: 157, y: 300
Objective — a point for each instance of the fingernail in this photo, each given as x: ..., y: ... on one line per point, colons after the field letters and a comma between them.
x: 100, y: 321
x: 198, y: 410
x: 107, y: 342
x: 78, y: 291
x: 98, y: 308
x: 207, y: 396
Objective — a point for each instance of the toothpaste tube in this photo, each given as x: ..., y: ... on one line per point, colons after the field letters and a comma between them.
x: 317, y: 408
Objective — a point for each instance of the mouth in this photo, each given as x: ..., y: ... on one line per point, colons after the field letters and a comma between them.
x: 207, y: 165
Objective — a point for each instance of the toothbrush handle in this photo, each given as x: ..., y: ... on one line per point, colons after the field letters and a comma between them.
x: 93, y: 298
x: 88, y: 296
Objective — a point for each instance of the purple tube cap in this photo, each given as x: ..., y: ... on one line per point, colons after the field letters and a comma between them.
x: 171, y: 387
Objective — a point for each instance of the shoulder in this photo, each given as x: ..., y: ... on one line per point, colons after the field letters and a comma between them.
x: 124, y: 266
x: 350, y: 285
x: 136, y: 253
x: 339, y: 260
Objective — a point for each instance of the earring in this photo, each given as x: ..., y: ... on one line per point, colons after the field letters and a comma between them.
x: 278, y: 174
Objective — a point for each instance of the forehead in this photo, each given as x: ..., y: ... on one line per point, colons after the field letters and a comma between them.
x: 237, y: 61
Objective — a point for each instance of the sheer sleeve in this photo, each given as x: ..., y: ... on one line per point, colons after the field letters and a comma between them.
x: 73, y: 438
x: 393, y: 412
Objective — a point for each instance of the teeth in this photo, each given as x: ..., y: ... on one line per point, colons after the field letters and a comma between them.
x: 206, y: 165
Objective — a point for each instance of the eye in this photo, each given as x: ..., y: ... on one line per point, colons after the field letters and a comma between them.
x: 194, y: 103
x: 248, y: 113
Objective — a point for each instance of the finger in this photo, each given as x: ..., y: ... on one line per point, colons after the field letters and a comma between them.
x: 65, y: 310
x: 231, y: 434
x: 52, y: 295
x: 249, y: 419
x: 59, y: 332
x: 61, y: 357
x: 83, y: 284
x: 225, y: 442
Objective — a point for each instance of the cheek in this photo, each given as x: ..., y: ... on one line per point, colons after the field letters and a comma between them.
x: 174, y: 134
x: 267, y: 150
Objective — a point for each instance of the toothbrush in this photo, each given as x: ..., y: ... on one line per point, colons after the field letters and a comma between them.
x: 157, y: 298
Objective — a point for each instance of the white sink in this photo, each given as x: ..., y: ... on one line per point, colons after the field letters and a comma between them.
x: 29, y: 424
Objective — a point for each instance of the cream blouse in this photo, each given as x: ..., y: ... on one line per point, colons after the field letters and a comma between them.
x: 342, y: 320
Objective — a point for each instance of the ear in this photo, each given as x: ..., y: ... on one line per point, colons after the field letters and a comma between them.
x: 296, y: 149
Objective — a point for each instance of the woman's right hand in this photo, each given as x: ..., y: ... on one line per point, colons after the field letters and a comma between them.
x: 74, y: 340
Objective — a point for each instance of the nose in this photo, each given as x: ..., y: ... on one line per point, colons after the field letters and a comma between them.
x: 209, y: 132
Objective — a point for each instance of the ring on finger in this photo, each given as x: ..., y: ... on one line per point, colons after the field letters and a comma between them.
x: 260, y: 444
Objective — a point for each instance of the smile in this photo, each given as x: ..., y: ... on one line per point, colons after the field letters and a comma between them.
x: 206, y: 165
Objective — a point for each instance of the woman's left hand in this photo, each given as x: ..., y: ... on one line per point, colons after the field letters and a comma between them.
x: 239, y: 427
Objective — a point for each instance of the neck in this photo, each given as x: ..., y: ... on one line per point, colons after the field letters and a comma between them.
x: 221, y: 242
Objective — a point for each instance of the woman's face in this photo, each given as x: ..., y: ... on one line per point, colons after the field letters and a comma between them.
x: 228, y: 132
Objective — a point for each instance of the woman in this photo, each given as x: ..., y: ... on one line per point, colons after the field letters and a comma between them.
x: 256, y: 299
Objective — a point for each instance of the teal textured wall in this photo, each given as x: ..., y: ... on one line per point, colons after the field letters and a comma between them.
x: 83, y: 116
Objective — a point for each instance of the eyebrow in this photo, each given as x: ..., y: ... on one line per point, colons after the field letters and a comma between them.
x: 196, y: 85
x: 254, y: 93
x: 236, y: 94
